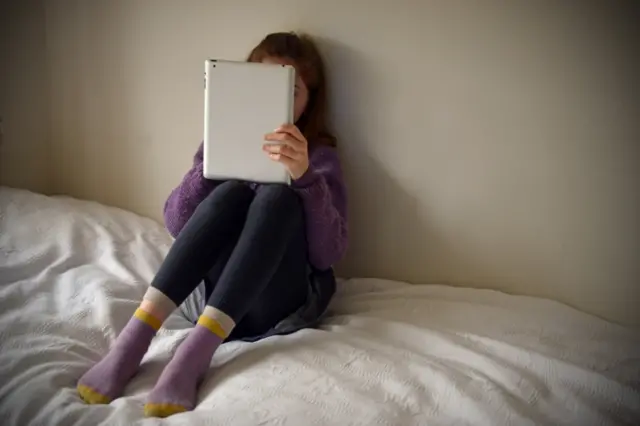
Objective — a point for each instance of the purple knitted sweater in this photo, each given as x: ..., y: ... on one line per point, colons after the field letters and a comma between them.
x: 322, y: 192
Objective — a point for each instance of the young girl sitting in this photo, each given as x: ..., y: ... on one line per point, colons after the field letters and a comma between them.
x: 249, y: 261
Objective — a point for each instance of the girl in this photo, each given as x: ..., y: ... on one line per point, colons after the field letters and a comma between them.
x: 249, y: 260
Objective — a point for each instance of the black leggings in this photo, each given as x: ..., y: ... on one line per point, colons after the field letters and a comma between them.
x: 250, y: 249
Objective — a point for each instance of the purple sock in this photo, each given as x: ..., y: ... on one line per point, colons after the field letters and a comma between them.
x: 176, y: 389
x: 107, y: 379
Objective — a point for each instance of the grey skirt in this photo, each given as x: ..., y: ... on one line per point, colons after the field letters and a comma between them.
x: 322, y: 286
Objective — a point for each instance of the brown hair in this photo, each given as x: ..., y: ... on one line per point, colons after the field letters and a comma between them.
x: 301, y: 50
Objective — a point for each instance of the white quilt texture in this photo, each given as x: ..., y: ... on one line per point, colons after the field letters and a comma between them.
x: 72, y: 273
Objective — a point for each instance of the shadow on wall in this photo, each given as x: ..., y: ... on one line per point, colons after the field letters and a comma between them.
x: 388, y: 221
x: 104, y: 149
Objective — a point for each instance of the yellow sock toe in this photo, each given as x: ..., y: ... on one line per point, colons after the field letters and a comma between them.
x: 90, y: 396
x: 163, y: 410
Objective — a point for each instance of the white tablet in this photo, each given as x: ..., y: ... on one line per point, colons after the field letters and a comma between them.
x: 243, y: 101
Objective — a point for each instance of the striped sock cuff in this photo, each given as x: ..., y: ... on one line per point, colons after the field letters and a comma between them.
x: 217, y: 322
x: 162, y: 306
x: 213, y: 326
x: 148, y: 318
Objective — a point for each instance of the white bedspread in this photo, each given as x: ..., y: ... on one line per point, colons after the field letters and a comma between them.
x: 72, y: 273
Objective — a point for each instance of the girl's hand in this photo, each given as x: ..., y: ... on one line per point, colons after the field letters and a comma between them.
x: 290, y: 149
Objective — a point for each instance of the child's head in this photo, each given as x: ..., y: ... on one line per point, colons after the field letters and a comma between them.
x: 310, y: 109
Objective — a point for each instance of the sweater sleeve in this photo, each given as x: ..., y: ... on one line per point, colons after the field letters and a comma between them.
x: 184, y: 199
x: 324, y: 198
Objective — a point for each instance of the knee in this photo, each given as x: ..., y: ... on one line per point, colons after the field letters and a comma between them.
x: 228, y: 194
x: 279, y: 198
x: 233, y: 187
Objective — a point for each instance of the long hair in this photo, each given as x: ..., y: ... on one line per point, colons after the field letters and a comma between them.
x: 301, y: 50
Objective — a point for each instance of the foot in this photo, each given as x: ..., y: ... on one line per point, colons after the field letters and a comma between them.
x: 106, y: 380
x: 177, y: 387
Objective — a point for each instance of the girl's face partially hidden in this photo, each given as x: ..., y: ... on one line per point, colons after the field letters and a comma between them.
x: 301, y: 92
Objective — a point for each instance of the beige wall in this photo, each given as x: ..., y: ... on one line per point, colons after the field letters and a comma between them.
x: 24, y: 98
x: 489, y: 143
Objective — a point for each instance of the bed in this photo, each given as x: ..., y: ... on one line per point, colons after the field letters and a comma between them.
x: 388, y: 353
